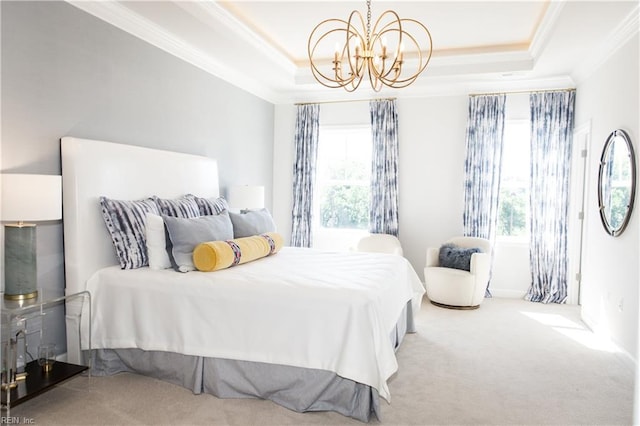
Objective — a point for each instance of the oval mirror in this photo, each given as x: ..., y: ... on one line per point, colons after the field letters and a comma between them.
x: 616, y: 182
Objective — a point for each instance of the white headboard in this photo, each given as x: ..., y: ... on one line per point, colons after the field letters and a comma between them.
x: 93, y: 168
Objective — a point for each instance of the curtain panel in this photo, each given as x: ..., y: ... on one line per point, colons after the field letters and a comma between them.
x: 383, y: 217
x: 483, y: 162
x: 304, y: 173
x: 552, y: 121
x: 484, y: 141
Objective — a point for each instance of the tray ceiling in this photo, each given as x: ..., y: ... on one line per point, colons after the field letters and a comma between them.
x: 478, y: 46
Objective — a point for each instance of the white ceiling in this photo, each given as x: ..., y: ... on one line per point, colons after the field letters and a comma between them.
x: 478, y: 46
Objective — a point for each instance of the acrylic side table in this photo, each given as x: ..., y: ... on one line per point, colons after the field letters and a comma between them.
x: 26, y: 317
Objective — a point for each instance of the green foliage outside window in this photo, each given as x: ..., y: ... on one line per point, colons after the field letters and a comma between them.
x: 512, y: 217
x: 345, y: 206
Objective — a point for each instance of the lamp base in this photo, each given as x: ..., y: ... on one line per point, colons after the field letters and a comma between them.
x: 20, y: 269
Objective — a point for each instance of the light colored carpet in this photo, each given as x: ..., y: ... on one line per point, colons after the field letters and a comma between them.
x: 509, y: 362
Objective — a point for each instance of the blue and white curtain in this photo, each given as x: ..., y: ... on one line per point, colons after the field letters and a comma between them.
x: 485, y: 135
x: 552, y: 121
x: 304, y: 173
x: 484, y: 142
x: 383, y: 218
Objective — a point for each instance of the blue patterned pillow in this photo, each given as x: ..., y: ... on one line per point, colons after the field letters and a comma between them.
x: 125, y: 221
x: 210, y: 206
x: 185, y: 207
x: 452, y: 256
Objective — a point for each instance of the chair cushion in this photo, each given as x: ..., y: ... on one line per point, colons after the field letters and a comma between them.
x: 452, y: 256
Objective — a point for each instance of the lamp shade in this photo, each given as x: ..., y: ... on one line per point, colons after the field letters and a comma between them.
x: 31, y: 197
x: 246, y: 197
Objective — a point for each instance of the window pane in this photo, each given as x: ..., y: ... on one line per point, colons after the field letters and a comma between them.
x: 345, y: 206
x: 513, y: 206
x: 343, y: 176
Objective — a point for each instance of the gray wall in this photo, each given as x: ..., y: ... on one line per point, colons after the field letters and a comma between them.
x: 65, y: 72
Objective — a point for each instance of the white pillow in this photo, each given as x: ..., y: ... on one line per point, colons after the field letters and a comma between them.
x: 156, y: 243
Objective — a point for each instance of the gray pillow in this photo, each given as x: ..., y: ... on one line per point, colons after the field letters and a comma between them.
x: 184, y: 234
x: 452, y: 256
x: 125, y: 221
x: 253, y: 222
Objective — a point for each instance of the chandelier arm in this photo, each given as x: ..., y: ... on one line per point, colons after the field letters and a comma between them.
x: 378, y: 34
x: 428, y: 34
x: 420, y: 68
x: 375, y: 81
x: 395, y: 81
x: 319, y: 75
x: 356, y: 69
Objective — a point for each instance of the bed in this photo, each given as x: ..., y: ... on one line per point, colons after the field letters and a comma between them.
x: 310, y: 330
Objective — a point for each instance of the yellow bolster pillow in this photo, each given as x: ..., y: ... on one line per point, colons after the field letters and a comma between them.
x: 215, y: 255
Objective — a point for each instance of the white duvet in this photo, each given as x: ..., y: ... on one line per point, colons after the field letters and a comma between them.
x: 301, y: 307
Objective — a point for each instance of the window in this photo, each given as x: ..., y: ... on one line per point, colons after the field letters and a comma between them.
x: 343, y: 179
x: 513, y: 205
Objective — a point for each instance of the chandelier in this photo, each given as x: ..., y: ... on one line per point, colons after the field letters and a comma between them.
x: 360, y: 51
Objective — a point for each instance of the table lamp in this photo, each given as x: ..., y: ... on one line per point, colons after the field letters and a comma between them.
x: 246, y: 197
x: 26, y: 198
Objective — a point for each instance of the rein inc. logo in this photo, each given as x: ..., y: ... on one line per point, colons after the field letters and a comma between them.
x: 16, y: 420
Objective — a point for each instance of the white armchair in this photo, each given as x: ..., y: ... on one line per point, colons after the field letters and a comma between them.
x: 456, y: 288
x: 380, y: 243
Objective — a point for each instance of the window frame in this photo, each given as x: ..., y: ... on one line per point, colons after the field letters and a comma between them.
x: 344, y: 237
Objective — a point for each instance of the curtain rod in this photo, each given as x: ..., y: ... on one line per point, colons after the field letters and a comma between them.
x: 345, y: 101
x: 524, y: 91
x: 514, y: 92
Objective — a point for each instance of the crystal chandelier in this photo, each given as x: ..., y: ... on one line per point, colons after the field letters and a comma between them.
x: 360, y: 51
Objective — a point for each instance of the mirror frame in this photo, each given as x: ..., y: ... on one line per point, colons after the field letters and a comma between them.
x: 618, y: 133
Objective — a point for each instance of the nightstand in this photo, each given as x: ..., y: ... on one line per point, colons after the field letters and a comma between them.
x: 20, y: 320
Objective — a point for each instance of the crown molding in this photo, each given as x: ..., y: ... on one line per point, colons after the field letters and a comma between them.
x: 446, y: 75
x: 545, y: 29
x: 213, y: 14
x: 123, y: 18
x: 627, y: 29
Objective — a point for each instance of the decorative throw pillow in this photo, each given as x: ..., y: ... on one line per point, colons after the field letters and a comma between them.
x: 156, y: 243
x: 178, y: 207
x: 452, y: 256
x: 183, y: 235
x: 125, y: 221
x: 216, y: 255
x: 210, y: 206
x: 251, y: 223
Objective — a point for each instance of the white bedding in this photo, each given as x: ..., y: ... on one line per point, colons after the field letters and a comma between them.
x: 301, y: 307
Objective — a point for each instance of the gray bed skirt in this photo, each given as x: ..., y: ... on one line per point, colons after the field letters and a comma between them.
x: 296, y: 388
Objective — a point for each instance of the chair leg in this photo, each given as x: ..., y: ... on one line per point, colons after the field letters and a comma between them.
x: 463, y: 308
